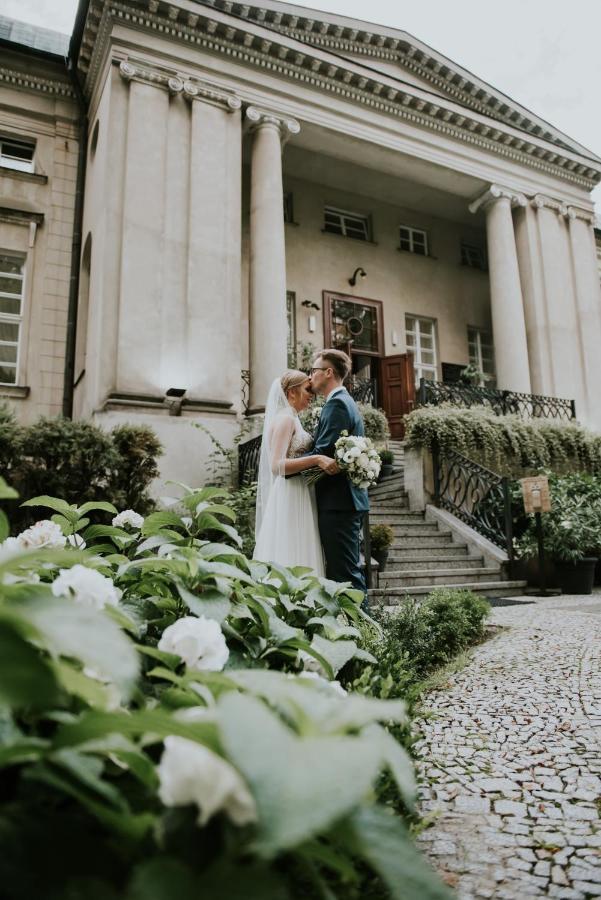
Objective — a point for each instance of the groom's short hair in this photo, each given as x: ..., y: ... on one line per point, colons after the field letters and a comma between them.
x: 338, y: 360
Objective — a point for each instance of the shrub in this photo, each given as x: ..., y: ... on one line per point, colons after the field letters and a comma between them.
x: 78, y: 461
x: 508, y: 444
x: 381, y: 537
x: 375, y: 423
x: 171, y: 726
x: 386, y: 457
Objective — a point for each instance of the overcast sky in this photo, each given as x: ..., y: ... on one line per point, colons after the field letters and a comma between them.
x: 546, y: 54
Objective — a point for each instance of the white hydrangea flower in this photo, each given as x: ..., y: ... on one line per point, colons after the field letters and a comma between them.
x: 191, y: 773
x: 43, y: 534
x: 10, y: 548
x: 198, y: 641
x: 128, y: 517
x: 76, y: 540
x: 86, y: 586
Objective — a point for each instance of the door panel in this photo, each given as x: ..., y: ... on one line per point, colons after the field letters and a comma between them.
x: 397, y: 391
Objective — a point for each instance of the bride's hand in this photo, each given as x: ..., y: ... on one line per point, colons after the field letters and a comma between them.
x: 329, y: 466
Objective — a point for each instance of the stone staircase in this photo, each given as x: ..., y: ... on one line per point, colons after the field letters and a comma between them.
x: 425, y: 554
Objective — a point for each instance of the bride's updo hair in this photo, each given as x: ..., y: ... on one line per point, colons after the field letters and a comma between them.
x: 292, y: 378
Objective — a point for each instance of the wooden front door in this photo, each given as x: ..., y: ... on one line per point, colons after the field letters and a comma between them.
x: 397, y: 391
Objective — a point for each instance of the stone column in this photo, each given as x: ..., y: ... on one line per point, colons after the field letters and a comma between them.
x: 139, y: 334
x: 588, y: 307
x: 268, y: 325
x: 211, y: 344
x: 508, y: 323
x: 563, y: 330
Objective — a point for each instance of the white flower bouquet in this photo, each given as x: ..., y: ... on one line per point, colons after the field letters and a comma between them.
x: 357, y: 458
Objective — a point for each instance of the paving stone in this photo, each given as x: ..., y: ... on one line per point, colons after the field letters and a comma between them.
x: 513, y: 742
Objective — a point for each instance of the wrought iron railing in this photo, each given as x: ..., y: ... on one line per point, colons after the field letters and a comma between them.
x: 503, y: 403
x: 363, y: 390
x: 477, y: 496
x: 248, y: 460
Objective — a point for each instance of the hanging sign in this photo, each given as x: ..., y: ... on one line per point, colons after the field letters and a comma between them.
x: 535, y: 490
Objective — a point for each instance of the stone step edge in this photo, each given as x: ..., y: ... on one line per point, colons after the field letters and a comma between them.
x: 474, y: 586
x: 438, y: 573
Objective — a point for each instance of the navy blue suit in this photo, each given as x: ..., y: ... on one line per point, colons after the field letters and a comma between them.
x: 340, y: 505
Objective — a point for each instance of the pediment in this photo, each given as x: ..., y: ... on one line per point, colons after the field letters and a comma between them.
x: 397, y: 54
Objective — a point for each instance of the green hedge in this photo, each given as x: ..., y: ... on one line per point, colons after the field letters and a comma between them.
x: 78, y: 461
x: 508, y: 444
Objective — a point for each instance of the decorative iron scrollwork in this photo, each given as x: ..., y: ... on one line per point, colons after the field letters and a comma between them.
x: 248, y: 460
x: 503, y: 403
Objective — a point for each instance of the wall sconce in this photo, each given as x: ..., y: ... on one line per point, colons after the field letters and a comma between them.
x: 309, y: 304
x: 173, y: 399
x: 360, y: 272
x: 311, y: 324
x: 394, y: 338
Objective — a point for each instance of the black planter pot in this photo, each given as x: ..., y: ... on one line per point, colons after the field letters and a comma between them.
x: 386, y: 469
x: 576, y: 577
x: 381, y: 557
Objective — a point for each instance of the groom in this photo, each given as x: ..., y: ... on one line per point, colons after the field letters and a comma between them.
x: 340, y: 505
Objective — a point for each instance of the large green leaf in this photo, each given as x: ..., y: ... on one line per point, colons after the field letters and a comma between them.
x: 102, y: 505
x: 54, y: 503
x: 7, y: 492
x: 164, y: 878
x: 4, y: 526
x: 296, y: 782
x: 71, y: 629
x: 153, y: 724
x: 26, y: 678
x: 158, y: 520
x: 338, y: 653
x: 22, y: 751
x: 383, y: 842
x: 211, y: 603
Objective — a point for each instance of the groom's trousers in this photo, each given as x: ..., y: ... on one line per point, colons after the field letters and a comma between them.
x: 339, y: 531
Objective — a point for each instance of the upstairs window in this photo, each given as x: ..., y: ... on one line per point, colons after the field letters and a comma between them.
x: 473, y: 256
x: 349, y: 224
x: 16, y: 154
x: 481, y: 354
x: 420, y: 337
x: 413, y: 240
x: 11, y: 309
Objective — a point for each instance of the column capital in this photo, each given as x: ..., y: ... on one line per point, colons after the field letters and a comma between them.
x: 178, y: 85
x: 497, y: 192
x: 258, y: 117
x: 585, y: 215
x: 541, y: 201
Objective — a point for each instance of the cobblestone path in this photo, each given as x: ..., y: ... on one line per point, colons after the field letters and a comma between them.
x: 510, y: 758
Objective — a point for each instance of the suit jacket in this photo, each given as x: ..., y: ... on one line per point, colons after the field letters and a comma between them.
x: 335, y: 492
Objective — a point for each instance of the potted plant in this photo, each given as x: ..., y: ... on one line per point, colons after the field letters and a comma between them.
x: 387, y: 459
x: 571, y: 535
x: 381, y: 537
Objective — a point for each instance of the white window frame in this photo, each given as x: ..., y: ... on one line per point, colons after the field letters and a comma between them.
x: 13, y: 318
x: 291, y: 330
x: 345, y: 217
x: 416, y: 348
x: 477, y: 338
x: 408, y: 234
x: 473, y: 256
x: 14, y: 162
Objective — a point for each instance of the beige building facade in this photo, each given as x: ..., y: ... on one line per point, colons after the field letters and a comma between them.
x: 262, y: 177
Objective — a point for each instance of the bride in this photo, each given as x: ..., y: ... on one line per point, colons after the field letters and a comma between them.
x: 286, y: 523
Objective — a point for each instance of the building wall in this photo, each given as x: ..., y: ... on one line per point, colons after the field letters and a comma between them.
x: 36, y: 223
x: 436, y: 286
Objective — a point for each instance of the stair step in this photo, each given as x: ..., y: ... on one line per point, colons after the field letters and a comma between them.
x: 412, y: 577
x: 394, y: 596
x: 421, y: 541
x: 421, y: 563
x: 417, y: 529
x: 388, y: 503
x: 426, y: 550
x: 402, y: 517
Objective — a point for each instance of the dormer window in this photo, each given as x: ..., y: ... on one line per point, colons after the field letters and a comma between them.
x: 348, y: 224
x: 16, y: 154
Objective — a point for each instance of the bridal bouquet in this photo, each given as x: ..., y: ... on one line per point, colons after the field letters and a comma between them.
x: 356, y: 457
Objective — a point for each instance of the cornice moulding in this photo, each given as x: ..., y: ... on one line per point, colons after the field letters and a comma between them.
x: 39, y: 84
x: 218, y: 32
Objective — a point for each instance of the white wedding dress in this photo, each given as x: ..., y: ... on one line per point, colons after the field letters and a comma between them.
x: 286, y: 524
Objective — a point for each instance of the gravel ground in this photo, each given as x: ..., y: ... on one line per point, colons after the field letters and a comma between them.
x: 510, y: 758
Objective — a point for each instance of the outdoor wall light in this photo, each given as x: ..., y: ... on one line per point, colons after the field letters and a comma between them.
x: 309, y: 304
x: 173, y: 399
x: 311, y: 324
x: 358, y: 272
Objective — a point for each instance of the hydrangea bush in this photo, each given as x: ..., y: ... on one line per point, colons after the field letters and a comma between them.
x: 171, y: 725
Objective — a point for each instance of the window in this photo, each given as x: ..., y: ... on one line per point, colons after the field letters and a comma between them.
x: 421, y: 341
x: 349, y: 224
x: 473, y: 256
x: 16, y: 154
x: 11, y: 308
x: 354, y: 324
x: 413, y: 240
x: 291, y: 315
x: 481, y: 354
x: 288, y: 207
